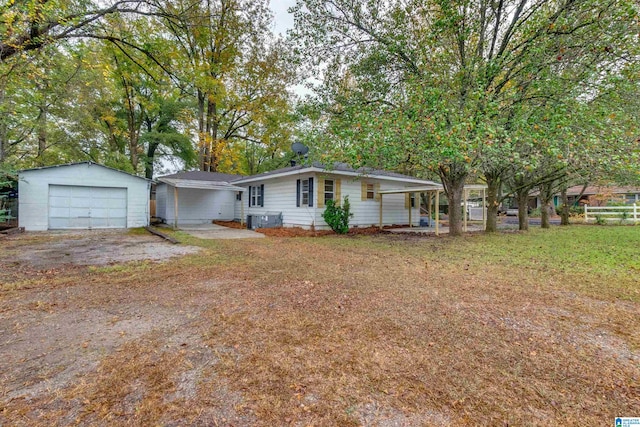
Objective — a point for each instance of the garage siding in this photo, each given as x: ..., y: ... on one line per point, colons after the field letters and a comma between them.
x: 34, y: 192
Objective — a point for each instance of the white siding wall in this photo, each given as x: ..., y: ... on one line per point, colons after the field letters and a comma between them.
x: 161, y: 201
x: 280, y: 196
x: 367, y: 212
x: 33, y: 189
x: 199, y: 206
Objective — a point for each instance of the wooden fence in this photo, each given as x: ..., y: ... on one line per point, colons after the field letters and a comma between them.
x: 612, y: 213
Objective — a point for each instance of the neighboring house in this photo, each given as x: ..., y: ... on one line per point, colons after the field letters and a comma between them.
x: 82, y: 196
x: 196, y: 197
x: 295, y: 195
x: 300, y: 193
x: 592, y: 195
x: 599, y: 195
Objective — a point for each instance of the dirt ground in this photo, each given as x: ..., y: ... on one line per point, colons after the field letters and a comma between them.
x: 376, y: 330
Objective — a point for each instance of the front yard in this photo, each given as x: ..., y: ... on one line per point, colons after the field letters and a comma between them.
x: 537, y: 328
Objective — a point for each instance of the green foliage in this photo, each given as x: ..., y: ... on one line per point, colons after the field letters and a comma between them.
x: 8, y: 178
x: 600, y: 220
x: 337, y: 217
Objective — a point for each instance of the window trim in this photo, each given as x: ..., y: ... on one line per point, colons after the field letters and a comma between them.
x: 332, y: 192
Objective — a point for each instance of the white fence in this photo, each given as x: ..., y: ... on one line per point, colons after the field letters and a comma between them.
x: 612, y: 213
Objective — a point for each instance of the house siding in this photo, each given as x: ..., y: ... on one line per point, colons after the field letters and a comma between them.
x: 33, y: 190
x: 280, y: 197
x: 367, y: 212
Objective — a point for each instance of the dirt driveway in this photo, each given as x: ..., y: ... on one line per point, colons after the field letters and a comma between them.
x: 93, y: 247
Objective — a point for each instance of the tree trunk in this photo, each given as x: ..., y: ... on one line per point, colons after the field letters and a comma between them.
x: 564, y: 212
x: 523, y: 216
x: 42, y: 133
x: 148, y: 163
x: 546, y: 195
x: 493, y: 184
x: 453, y: 187
x: 202, y: 135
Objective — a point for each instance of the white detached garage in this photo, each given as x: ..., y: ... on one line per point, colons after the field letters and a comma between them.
x: 82, y: 196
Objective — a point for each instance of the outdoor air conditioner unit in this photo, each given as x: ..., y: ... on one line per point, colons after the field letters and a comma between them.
x: 265, y: 220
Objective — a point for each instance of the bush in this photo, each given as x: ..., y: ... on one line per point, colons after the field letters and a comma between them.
x: 338, y: 216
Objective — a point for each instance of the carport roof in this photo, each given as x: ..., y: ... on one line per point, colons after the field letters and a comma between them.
x: 203, y: 176
x: 200, y: 185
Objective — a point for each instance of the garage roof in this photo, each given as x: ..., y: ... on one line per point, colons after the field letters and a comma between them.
x: 83, y: 163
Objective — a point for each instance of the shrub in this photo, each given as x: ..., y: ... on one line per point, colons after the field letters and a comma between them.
x: 338, y: 216
x: 600, y: 220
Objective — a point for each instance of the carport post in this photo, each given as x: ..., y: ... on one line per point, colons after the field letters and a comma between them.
x: 175, y: 207
x: 429, y: 203
x: 464, y: 208
x: 410, y: 209
x: 241, y: 208
x: 484, y: 209
x: 437, y: 211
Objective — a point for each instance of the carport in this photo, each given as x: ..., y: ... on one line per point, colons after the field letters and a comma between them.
x: 191, y: 201
x: 433, y: 198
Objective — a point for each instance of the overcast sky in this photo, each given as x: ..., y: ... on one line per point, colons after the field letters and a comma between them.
x: 282, y: 20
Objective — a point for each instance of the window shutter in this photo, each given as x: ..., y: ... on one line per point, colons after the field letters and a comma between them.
x: 321, y: 192
x: 298, y: 193
x: 310, y: 192
x: 363, y: 191
x: 250, y: 197
x: 407, y: 200
x: 262, y: 196
x: 337, y: 196
x: 376, y: 188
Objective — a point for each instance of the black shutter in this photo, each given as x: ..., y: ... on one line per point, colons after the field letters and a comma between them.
x: 249, y: 196
x: 298, y: 193
x: 311, y: 192
x: 262, y: 196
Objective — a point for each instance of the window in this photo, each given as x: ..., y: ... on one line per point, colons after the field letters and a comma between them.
x: 371, y: 192
x: 304, y: 192
x: 256, y: 196
x: 329, y: 189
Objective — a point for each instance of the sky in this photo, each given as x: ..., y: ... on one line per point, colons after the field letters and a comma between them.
x: 283, y: 20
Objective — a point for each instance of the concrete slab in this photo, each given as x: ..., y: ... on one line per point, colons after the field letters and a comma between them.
x: 215, y: 231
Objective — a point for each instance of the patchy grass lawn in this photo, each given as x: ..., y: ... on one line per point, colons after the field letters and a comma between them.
x: 541, y: 328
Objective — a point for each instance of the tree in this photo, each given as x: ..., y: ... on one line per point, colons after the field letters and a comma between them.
x: 30, y: 25
x: 235, y: 72
x: 436, y: 84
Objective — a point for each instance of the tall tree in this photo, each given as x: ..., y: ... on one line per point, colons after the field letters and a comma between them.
x: 433, y: 83
x: 234, y: 70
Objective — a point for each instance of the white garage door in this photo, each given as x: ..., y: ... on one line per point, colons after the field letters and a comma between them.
x: 87, y: 207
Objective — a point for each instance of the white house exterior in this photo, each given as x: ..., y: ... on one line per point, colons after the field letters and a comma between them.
x: 196, y: 197
x: 299, y: 193
x: 82, y: 196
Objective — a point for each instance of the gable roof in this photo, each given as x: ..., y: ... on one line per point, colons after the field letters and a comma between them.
x: 337, y: 169
x: 88, y: 163
x: 203, y: 176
